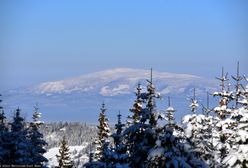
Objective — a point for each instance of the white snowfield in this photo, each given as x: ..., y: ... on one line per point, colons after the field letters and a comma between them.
x: 76, y: 154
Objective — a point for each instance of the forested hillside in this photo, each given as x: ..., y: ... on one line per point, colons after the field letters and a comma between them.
x: 77, y: 133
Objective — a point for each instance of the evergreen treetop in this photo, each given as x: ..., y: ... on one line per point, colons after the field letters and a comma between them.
x: 37, y: 147
x: 103, y: 134
x: 64, y: 158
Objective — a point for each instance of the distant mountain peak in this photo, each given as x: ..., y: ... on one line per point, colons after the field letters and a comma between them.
x: 125, y: 77
x: 115, y: 86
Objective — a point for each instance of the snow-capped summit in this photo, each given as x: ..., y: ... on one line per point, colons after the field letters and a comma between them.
x: 119, y: 81
x: 115, y: 86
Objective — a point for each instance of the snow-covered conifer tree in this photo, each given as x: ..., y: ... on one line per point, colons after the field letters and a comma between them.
x: 137, y: 106
x: 3, y: 135
x: 170, y: 115
x: 156, y: 156
x: 196, y: 128
x: 141, y: 136
x: 37, y: 143
x: 170, y: 149
x: 244, y: 95
x: 207, y: 135
x: 64, y: 158
x: 237, y: 92
x: 101, y: 153
x: 134, y: 133
x: 117, y: 136
x: 119, y: 157
x: 230, y: 133
x: 198, y: 132
x: 224, y: 125
x: 150, y: 111
x: 237, y: 124
x: 194, y: 104
x: 225, y: 97
x: 19, y: 147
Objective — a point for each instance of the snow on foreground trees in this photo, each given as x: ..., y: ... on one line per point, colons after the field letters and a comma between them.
x: 211, y: 137
x: 21, y: 143
x: 64, y: 158
x: 151, y: 138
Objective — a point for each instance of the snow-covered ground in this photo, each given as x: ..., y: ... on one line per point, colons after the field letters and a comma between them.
x: 77, y: 155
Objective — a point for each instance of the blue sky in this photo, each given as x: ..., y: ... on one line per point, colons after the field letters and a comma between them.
x: 51, y: 40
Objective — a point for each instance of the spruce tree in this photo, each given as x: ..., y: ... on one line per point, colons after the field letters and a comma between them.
x: 100, y: 157
x: 117, y: 136
x: 237, y: 124
x: 3, y: 135
x: 102, y: 143
x: 237, y: 93
x: 225, y: 97
x: 194, y: 125
x: 119, y: 157
x: 37, y: 148
x: 198, y: 132
x: 64, y: 158
x: 19, y: 147
x: 170, y: 149
x: 137, y: 106
x: 223, y: 124
x: 170, y: 115
x: 140, y: 135
x: 244, y: 95
x: 208, y: 128
x: 150, y: 112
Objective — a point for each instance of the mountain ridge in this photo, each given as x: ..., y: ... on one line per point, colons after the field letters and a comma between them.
x: 103, y: 76
x: 115, y: 86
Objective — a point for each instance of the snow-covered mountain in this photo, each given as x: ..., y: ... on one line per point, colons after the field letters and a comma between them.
x: 79, y: 98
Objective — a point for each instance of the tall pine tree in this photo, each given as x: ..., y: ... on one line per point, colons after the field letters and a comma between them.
x: 137, y: 106
x: 170, y: 149
x: 119, y: 155
x: 37, y: 147
x: 101, y: 144
x: 19, y: 148
x: 238, y: 91
x: 151, y: 95
x: 140, y: 135
x: 197, y: 129
x: 223, y: 124
x: 3, y: 135
x: 64, y: 158
x: 237, y: 124
x: 102, y: 156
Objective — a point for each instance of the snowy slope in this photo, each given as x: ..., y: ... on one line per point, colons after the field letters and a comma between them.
x: 78, y: 157
x: 79, y: 98
x: 78, y: 136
